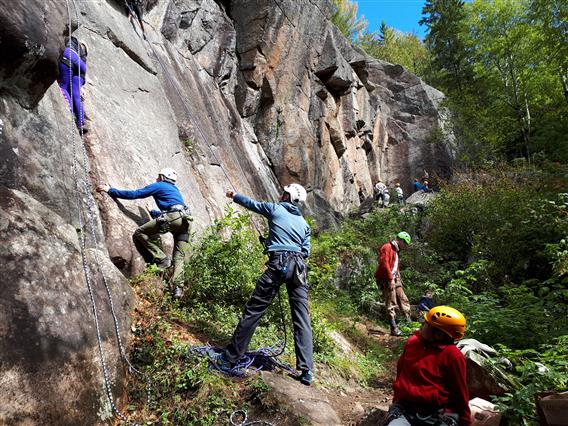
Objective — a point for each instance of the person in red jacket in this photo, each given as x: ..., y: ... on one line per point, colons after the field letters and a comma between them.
x: 389, y: 282
x: 430, y: 386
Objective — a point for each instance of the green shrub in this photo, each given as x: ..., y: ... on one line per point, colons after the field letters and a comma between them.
x: 507, y: 218
x: 538, y: 370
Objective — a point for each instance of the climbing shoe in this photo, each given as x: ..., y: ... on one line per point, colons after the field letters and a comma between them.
x: 178, y: 292
x: 306, y: 378
x: 163, y: 263
x: 395, y: 331
x: 220, y: 362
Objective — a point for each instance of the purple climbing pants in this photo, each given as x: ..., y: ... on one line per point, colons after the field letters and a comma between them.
x: 68, y: 82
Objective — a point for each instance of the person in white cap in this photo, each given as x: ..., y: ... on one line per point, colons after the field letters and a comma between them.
x: 172, y: 215
x: 287, y: 245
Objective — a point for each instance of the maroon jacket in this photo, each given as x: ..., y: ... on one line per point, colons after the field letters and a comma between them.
x: 429, y: 375
x: 387, y: 258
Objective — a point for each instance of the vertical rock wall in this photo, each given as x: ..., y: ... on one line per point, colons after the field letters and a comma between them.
x: 246, y: 95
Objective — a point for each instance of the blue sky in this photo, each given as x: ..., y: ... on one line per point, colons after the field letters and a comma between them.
x: 400, y: 14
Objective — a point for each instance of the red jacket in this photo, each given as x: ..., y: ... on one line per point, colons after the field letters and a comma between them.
x: 432, y: 376
x: 387, y: 259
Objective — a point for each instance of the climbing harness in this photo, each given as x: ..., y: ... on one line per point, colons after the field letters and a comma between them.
x: 83, y: 188
x: 244, y: 415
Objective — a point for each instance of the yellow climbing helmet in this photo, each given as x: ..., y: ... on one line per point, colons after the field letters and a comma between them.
x: 449, y: 320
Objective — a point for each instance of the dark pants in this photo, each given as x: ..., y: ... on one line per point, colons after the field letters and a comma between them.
x: 133, y: 6
x: 68, y: 82
x: 264, y: 293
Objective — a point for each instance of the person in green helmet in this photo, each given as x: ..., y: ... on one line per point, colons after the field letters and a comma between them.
x: 389, y: 282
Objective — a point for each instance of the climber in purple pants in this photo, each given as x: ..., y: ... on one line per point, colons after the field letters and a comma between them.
x: 72, y: 70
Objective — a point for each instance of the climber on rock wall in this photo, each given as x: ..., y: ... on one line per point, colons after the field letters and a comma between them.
x: 287, y: 245
x: 134, y: 7
x: 430, y: 386
x: 389, y: 281
x: 173, y: 216
x: 72, y: 71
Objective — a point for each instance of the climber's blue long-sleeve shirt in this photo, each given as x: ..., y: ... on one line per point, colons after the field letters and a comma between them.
x: 165, y: 194
x: 288, y: 230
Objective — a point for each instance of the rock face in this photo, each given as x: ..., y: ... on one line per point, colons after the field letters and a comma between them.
x: 326, y: 114
x: 247, y: 95
x: 49, y: 359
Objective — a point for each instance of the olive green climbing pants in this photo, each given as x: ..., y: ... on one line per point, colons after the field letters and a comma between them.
x: 394, y: 298
x: 148, y: 235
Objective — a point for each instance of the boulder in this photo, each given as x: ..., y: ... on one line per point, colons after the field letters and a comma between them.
x: 553, y: 409
x: 303, y: 401
x: 420, y: 198
x: 484, y: 378
x: 484, y: 413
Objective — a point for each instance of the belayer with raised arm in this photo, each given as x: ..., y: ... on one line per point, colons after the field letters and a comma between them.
x: 172, y: 215
x: 287, y: 246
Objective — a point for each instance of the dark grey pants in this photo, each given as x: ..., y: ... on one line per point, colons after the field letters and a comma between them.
x: 264, y: 293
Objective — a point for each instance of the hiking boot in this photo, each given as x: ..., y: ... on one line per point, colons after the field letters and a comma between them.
x: 395, y: 331
x: 306, y: 378
x: 163, y: 263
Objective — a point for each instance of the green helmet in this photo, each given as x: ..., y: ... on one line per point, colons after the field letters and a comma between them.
x: 404, y: 236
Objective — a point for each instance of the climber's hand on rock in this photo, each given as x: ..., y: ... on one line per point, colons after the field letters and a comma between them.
x: 103, y: 187
x: 230, y: 194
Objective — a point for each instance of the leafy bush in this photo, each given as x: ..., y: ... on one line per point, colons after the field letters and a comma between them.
x: 344, y: 16
x: 514, y: 316
x: 539, y: 371
x: 507, y: 218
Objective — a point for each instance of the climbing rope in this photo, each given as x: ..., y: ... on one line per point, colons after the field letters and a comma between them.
x: 253, y: 361
x: 249, y: 364
x: 83, y: 187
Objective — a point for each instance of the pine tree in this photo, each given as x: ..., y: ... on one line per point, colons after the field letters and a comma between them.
x: 446, y: 40
x: 345, y: 18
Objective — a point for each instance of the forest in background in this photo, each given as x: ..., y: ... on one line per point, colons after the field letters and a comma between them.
x: 503, y: 65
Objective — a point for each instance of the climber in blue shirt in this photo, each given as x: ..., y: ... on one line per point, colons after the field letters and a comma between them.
x: 418, y: 186
x: 287, y: 245
x: 173, y: 216
x: 72, y: 71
